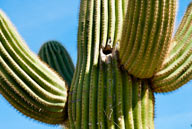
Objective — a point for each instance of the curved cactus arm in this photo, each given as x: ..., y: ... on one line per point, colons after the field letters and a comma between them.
x: 177, y: 68
x: 147, y: 31
x: 26, y: 82
x: 57, y: 57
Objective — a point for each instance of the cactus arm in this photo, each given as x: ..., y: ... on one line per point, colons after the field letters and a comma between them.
x: 35, y: 111
x: 126, y: 30
x: 67, y: 59
x: 37, y: 92
x: 137, y: 53
x: 57, y: 57
x: 139, y: 16
x: 177, y: 70
x: 28, y: 84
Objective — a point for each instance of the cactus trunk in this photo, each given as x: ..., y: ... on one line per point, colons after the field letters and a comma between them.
x: 102, y: 95
x: 115, y: 100
x: 123, y: 58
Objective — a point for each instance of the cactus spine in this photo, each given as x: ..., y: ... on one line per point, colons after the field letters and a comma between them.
x: 125, y: 54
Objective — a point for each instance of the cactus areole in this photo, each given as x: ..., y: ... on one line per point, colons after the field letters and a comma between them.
x: 126, y: 53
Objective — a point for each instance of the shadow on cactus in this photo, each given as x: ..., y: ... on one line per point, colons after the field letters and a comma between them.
x: 126, y: 53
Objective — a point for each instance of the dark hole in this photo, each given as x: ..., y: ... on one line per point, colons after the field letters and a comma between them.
x: 107, y: 51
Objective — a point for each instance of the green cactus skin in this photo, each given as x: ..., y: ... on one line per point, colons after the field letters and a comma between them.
x: 125, y: 54
x: 57, y: 57
x: 117, y: 100
x: 146, y: 36
x: 177, y: 68
x: 96, y: 34
x: 96, y: 30
x: 27, y: 83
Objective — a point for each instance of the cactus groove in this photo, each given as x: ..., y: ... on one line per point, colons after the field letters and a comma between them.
x: 57, y: 57
x: 126, y: 53
x: 176, y: 69
x: 117, y: 100
x: 148, y: 30
x: 27, y: 83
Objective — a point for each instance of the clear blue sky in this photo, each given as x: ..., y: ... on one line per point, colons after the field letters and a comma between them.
x: 41, y: 20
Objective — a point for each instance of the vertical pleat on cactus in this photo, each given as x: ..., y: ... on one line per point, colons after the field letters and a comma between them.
x: 125, y: 54
x: 27, y: 83
x: 116, y: 100
x: 57, y: 57
x: 147, y: 31
x: 92, y: 35
x: 176, y: 69
x: 96, y: 98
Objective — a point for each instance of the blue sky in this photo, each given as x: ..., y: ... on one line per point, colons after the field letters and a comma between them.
x: 41, y: 20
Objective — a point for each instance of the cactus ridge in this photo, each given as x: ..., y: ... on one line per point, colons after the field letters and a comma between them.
x: 87, y: 98
x: 32, y: 111
x: 56, y: 56
x: 125, y: 54
x: 78, y: 72
x: 89, y: 44
x: 148, y: 33
x: 176, y: 69
x: 117, y: 100
x: 28, y: 81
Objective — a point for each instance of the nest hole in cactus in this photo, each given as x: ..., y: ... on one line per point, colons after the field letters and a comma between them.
x: 107, y: 50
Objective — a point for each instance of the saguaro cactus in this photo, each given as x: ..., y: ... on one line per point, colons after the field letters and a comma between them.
x: 56, y: 56
x: 126, y: 53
